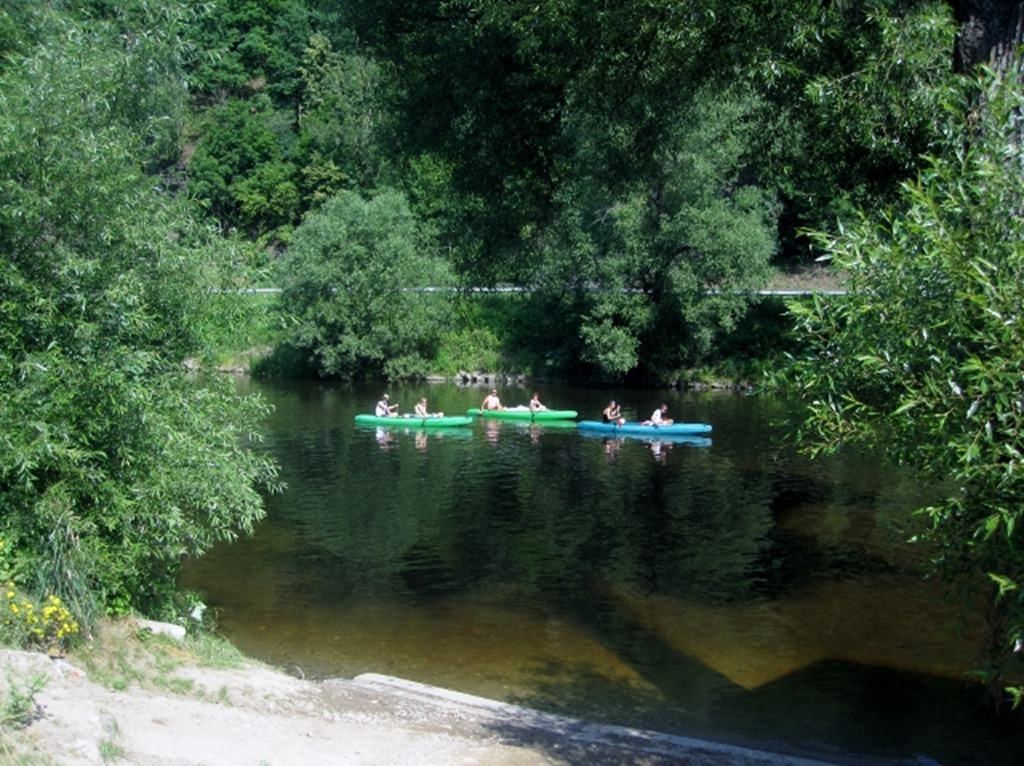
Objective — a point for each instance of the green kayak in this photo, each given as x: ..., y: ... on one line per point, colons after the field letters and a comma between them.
x: 412, y: 421
x: 523, y: 413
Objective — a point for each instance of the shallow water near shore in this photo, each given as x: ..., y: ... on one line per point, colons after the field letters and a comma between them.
x: 729, y: 590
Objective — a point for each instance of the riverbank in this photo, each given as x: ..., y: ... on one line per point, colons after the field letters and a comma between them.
x: 479, y: 345
x: 152, y: 702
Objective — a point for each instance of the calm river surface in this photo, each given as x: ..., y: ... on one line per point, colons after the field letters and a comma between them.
x: 731, y: 590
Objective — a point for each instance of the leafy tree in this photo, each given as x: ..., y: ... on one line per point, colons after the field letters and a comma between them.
x: 849, y: 104
x: 354, y: 285
x: 658, y: 267
x: 249, y: 47
x: 924, y: 358
x: 247, y: 87
x: 113, y: 464
x: 240, y: 166
x: 344, y: 116
x: 21, y: 27
x: 471, y: 97
x: 497, y: 89
x: 290, y: 115
x: 147, y: 94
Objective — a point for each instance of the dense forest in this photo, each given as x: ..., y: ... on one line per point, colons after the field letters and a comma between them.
x: 640, y: 168
x: 589, y: 189
x: 637, y: 168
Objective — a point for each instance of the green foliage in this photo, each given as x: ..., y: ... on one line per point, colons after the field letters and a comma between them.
x: 924, y: 358
x: 505, y: 331
x: 506, y: 93
x: 108, y: 749
x: 268, y: 198
x: 762, y: 343
x: 343, y: 119
x: 564, y: 138
x: 239, y: 166
x: 13, y: 566
x: 249, y: 327
x: 287, y: 121
x: 468, y: 96
x: 113, y: 465
x: 248, y: 46
x: 22, y: 26
x: 356, y: 282
x: 19, y: 707
x: 468, y: 348
x: 850, y: 103
x: 48, y: 625
x: 658, y: 267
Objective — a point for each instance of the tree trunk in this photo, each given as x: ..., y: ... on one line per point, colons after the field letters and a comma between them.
x: 991, y: 32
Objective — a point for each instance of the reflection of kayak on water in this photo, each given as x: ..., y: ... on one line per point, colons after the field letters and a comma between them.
x: 412, y: 421
x: 690, y: 440
x: 543, y: 425
x: 635, y: 428
x: 523, y: 413
x: 395, y: 429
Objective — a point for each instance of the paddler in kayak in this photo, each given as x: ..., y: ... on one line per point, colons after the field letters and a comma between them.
x: 658, y: 417
x: 491, y: 401
x: 421, y: 410
x: 613, y: 413
x: 385, y: 409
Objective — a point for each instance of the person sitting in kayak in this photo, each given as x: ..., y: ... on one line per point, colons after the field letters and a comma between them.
x: 613, y: 413
x: 491, y: 401
x: 535, y: 405
x: 658, y: 417
x: 385, y: 409
x: 421, y: 410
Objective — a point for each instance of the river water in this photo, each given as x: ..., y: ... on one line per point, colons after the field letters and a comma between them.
x: 728, y: 589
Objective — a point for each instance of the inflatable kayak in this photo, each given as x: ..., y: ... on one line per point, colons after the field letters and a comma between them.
x: 523, y: 413
x: 412, y: 421
x: 637, y: 428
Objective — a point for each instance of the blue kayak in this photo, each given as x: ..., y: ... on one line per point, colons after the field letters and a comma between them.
x: 636, y: 428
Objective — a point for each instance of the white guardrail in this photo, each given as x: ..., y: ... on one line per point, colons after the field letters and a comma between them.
x: 786, y: 293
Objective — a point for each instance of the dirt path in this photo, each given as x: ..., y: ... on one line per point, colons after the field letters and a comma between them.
x: 258, y: 716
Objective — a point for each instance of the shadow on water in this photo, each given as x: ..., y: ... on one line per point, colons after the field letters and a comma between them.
x: 790, y: 709
x: 878, y: 708
x: 727, y: 592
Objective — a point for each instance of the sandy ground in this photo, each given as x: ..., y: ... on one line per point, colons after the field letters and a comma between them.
x: 257, y: 715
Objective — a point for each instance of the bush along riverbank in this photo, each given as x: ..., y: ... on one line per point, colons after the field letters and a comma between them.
x: 492, y: 338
